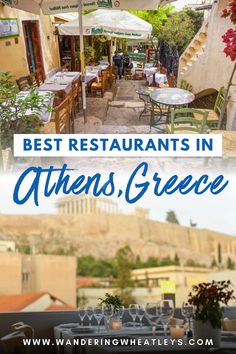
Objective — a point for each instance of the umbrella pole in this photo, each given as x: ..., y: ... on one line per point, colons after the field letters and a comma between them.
x: 82, y: 62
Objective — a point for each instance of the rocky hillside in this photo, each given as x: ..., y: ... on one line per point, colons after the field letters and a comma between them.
x: 103, y: 235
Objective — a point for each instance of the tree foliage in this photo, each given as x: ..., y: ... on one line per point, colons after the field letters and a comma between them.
x: 89, y: 266
x: 175, y: 28
x: 157, y: 18
x: 230, y: 264
x: 123, y: 282
x: 171, y: 217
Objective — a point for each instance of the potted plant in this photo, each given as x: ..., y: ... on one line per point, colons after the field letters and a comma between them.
x: 14, y: 108
x: 207, y: 300
x: 112, y: 304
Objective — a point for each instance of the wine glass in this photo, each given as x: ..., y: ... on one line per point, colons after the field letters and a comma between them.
x: 133, y: 311
x: 151, y: 310
x: 98, y: 314
x: 82, y: 314
x: 187, y: 313
x: 141, y: 313
x: 166, y: 311
x: 89, y: 313
x: 108, y: 311
x: 121, y: 311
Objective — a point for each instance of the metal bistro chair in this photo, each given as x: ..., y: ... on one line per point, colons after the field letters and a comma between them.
x: 159, y: 115
x: 13, y: 342
x: 183, y: 121
x: 186, y: 86
x: 214, y: 114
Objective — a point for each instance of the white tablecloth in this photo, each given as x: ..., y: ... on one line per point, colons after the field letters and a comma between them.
x: 92, y: 73
x: 149, y: 71
x: 159, y: 79
x: 60, y: 81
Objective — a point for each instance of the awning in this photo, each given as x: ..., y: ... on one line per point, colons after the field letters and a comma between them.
x: 113, y: 23
x: 51, y: 7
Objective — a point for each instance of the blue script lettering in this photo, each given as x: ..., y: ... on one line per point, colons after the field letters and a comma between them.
x: 52, y: 181
x: 82, y: 184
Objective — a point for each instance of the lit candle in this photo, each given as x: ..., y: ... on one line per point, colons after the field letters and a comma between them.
x: 177, y: 332
x: 116, y: 325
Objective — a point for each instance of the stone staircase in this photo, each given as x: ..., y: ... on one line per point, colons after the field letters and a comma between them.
x: 192, y: 55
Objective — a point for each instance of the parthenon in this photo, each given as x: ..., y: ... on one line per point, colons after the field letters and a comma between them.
x: 86, y: 204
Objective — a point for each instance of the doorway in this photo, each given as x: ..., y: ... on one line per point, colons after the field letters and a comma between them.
x: 33, y: 46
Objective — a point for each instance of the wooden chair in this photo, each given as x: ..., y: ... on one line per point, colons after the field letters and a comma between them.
x: 59, y: 97
x: 70, y: 97
x: 39, y: 76
x: 114, y: 73
x: 183, y: 121
x: 66, y: 67
x: 76, y: 93
x: 23, y: 83
x: 138, y: 75
x: 99, y: 86
x: 214, y: 114
x: 140, y: 65
x: 107, y: 79
x: 171, y: 81
x: 112, y: 77
x: 60, y: 121
x: 33, y: 80
x: 128, y: 74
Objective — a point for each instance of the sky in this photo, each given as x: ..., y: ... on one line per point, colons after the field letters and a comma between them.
x: 208, y: 211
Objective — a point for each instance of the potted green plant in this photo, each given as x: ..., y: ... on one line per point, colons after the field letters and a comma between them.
x: 207, y: 300
x: 112, y: 304
x: 14, y: 110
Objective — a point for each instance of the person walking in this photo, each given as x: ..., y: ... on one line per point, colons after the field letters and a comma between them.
x: 118, y: 62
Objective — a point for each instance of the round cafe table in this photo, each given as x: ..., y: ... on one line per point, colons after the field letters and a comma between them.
x: 166, y: 98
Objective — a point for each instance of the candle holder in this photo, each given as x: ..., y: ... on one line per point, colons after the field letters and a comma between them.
x: 177, y: 332
x: 115, y: 324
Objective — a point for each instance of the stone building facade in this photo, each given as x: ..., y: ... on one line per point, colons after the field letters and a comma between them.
x: 85, y: 204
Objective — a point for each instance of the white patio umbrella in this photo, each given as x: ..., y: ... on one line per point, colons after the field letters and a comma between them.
x: 50, y: 7
x: 113, y: 23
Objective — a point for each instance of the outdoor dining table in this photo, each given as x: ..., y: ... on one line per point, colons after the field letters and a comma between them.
x: 60, y: 81
x: 167, y: 98
x: 71, y: 332
x: 92, y: 73
x: 153, y: 76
